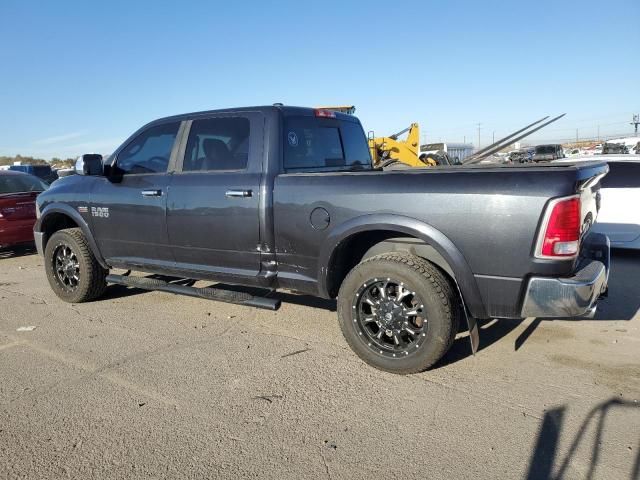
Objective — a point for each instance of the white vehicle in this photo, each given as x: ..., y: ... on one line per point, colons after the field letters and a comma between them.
x: 619, y: 215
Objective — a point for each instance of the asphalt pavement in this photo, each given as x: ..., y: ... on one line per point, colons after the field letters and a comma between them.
x: 153, y: 385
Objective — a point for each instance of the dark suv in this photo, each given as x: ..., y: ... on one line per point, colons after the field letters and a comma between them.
x: 547, y: 153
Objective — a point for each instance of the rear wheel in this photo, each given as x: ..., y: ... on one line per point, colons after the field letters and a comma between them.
x: 72, y: 270
x: 398, y: 312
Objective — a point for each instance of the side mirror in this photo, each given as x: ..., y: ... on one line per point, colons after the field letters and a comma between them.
x: 90, y: 164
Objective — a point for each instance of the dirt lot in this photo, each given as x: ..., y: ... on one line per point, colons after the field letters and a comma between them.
x: 147, y: 384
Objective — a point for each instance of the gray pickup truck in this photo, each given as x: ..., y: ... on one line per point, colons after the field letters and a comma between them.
x: 286, y: 197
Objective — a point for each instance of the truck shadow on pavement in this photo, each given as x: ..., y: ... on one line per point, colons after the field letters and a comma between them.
x: 17, y: 251
x: 490, y: 332
x: 622, y: 302
x: 544, y: 464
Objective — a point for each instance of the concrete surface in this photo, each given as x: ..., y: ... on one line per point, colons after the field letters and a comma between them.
x: 147, y: 384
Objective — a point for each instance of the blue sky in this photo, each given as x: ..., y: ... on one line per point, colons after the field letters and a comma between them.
x: 81, y: 76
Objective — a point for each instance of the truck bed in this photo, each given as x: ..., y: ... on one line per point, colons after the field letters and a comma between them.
x: 491, y: 213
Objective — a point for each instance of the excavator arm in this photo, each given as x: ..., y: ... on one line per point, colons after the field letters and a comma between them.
x: 386, y: 150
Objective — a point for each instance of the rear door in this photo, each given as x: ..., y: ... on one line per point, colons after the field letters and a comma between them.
x: 213, y: 213
x: 128, y: 212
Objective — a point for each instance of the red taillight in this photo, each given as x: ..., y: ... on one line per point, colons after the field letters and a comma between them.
x: 324, y: 113
x: 562, y: 230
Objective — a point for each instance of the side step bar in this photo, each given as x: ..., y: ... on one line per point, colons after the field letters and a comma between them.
x: 217, y: 294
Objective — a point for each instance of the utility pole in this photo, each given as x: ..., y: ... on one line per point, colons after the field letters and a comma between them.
x: 576, y: 135
x: 636, y: 122
x: 493, y: 137
x: 598, y: 132
x: 479, y: 124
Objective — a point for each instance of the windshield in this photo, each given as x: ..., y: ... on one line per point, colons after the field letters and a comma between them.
x: 21, y: 183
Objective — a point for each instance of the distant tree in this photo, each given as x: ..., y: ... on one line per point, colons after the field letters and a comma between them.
x: 59, y: 163
x: 23, y: 160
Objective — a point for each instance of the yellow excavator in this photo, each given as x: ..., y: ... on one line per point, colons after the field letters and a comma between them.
x: 387, y: 151
x: 391, y: 153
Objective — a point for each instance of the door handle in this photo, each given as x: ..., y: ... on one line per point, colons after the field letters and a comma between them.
x: 151, y: 193
x: 238, y: 193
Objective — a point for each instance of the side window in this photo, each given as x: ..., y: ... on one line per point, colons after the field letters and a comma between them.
x: 149, y: 152
x: 217, y: 144
x: 356, y: 148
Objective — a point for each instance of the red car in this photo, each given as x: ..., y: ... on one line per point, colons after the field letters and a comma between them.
x: 18, y: 192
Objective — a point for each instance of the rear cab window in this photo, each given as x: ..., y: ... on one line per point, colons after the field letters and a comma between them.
x: 313, y: 144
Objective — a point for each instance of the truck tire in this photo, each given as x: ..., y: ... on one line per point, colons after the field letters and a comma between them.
x: 398, y: 312
x: 72, y: 270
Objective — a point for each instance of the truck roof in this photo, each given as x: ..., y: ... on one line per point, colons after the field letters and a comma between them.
x: 286, y: 110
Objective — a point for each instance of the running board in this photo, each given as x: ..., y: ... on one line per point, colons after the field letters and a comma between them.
x: 217, y: 294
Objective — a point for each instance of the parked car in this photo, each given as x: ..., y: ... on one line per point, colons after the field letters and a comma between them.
x: 286, y: 197
x: 619, y: 216
x: 547, y: 153
x: 524, y: 155
x: 43, y: 172
x: 18, y: 192
x: 614, y: 148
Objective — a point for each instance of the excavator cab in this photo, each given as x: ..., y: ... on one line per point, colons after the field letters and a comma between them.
x: 386, y: 151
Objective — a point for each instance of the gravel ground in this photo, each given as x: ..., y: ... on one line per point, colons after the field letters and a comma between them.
x: 148, y: 384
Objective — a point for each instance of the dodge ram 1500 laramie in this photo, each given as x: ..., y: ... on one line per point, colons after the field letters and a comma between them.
x: 286, y: 197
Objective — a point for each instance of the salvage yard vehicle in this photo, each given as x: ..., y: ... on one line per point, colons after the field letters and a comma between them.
x: 43, y: 172
x: 614, y: 148
x: 547, y: 153
x: 286, y: 197
x: 18, y: 192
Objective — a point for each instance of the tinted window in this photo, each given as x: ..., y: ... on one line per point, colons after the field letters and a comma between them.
x: 312, y: 143
x: 217, y: 144
x: 356, y: 148
x: 545, y: 149
x: 21, y: 183
x: 41, y: 170
x: 622, y: 175
x: 149, y: 152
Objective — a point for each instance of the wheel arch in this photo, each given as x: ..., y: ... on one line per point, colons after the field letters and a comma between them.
x: 60, y: 216
x: 369, y: 235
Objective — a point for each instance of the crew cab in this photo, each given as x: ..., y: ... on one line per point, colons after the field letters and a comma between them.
x: 284, y: 197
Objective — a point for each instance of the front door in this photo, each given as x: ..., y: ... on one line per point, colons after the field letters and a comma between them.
x: 213, y: 214
x: 128, y: 210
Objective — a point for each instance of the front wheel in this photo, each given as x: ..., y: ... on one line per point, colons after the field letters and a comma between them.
x: 398, y: 312
x: 72, y: 270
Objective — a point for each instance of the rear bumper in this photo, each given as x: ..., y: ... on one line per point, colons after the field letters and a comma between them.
x: 573, y: 296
